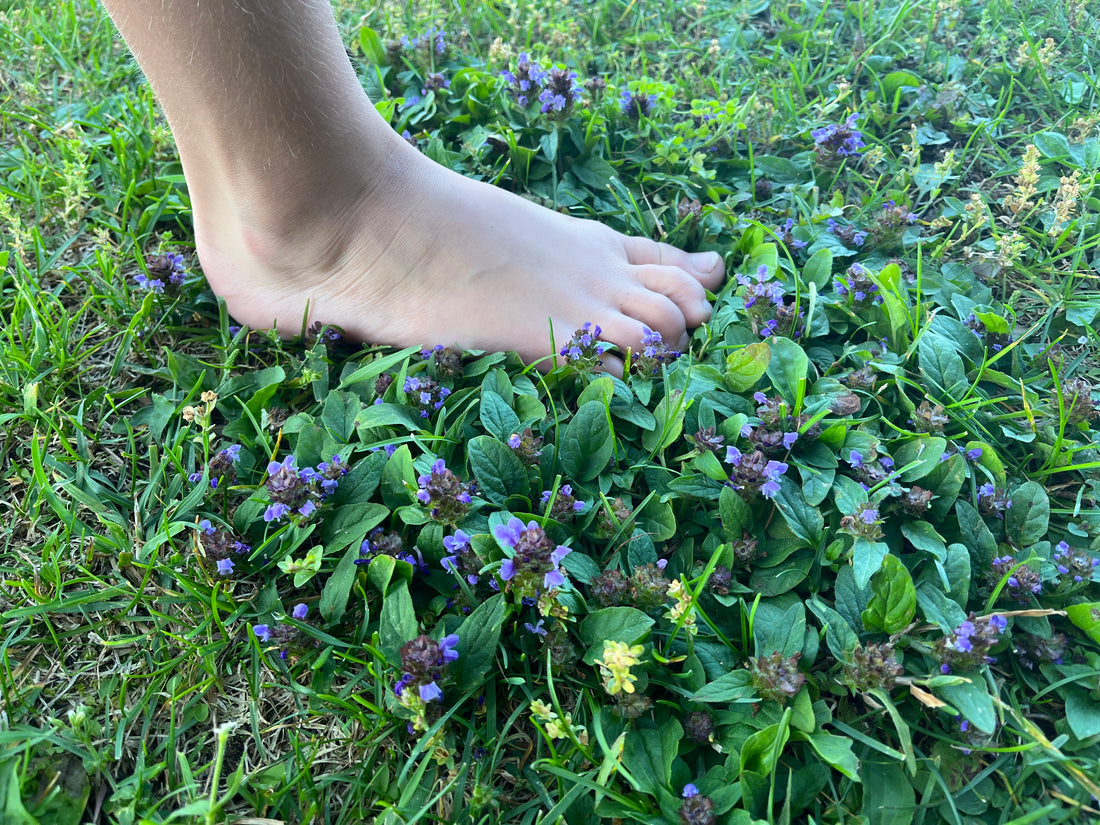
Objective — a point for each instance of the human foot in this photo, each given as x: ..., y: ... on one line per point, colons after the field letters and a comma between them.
x: 421, y: 255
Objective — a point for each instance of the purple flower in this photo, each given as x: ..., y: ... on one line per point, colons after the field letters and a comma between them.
x: 275, y: 511
x: 855, y: 458
x: 733, y: 456
x: 299, y: 611
x: 225, y: 566
x: 431, y: 692
x: 448, y: 648
x: 689, y: 791
x: 536, y: 628
x: 262, y: 631
x: 150, y: 284
x: 838, y: 140
x: 775, y: 469
x: 974, y: 454
x: 534, y: 564
x: 789, y: 439
x: 636, y: 104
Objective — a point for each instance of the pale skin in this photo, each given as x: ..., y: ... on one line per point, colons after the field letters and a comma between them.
x: 308, y: 206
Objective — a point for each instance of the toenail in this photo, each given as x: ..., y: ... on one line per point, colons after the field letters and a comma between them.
x: 706, y: 260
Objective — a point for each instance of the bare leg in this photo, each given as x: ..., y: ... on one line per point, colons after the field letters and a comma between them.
x: 305, y: 197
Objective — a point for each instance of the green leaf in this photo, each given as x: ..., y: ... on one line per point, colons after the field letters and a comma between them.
x: 340, y: 415
x: 787, y: 368
x: 957, y: 569
x: 1027, y: 520
x: 888, y: 798
x: 711, y: 467
x: 399, y: 478
x: 867, y: 558
x: 937, y: 608
x: 923, y: 537
x: 351, y: 523
x: 649, y: 752
x: 805, y: 521
x: 586, y: 443
x: 478, y: 639
x: 776, y: 631
x: 372, y: 369
x: 762, y: 750
x: 387, y: 415
x: 669, y: 412
x: 894, y: 598
x: 498, y: 419
x: 975, y: 533
x: 941, y: 364
x: 334, y: 598
x: 835, y: 751
x: 972, y: 700
x: 734, y: 687
x: 735, y: 513
x: 1082, y: 713
x: 819, y: 269
x: 658, y: 520
x: 397, y: 622
x: 946, y: 481
x: 380, y: 572
x: 923, y: 453
x: 1087, y: 617
x: 1052, y: 145
x: 896, y: 80
x: 839, y: 635
x: 498, y: 470
x: 745, y: 366
x: 371, y: 45
x: 615, y: 624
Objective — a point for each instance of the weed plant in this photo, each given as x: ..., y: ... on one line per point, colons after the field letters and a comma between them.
x: 834, y: 563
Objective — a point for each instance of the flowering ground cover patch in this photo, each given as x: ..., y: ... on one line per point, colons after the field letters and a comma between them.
x: 834, y: 562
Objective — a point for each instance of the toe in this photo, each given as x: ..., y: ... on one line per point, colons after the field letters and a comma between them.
x: 706, y: 267
x: 679, y: 287
x: 644, y: 308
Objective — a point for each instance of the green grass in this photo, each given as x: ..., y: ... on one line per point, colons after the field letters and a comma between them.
x: 134, y: 686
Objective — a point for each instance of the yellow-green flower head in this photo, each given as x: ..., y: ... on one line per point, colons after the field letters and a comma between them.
x: 618, y: 658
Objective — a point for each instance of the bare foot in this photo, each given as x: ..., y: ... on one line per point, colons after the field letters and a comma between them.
x: 406, y: 252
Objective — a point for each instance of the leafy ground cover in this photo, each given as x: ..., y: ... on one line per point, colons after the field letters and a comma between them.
x: 837, y: 562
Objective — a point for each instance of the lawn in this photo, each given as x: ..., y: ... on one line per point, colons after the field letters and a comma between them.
x: 836, y: 562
